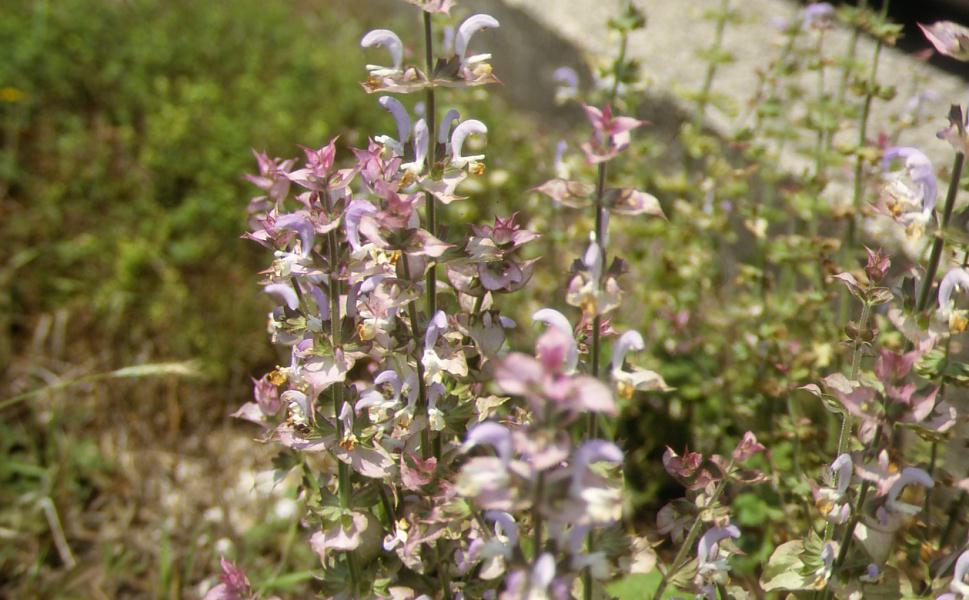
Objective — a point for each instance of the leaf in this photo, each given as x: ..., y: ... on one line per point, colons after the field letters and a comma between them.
x: 632, y: 202
x: 642, y: 585
x: 574, y: 194
x: 784, y: 570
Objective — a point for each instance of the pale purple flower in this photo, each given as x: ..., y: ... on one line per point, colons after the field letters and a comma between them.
x: 492, y: 434
x: 832, y: 501
x: 567, y: 84
x: 590, y: 452
x: 957, y: 133
x: 950, y: 39
x: 909, y: 476
x: 468, y: 28
x: 710, y: 565
x: 395, y: 108
x: 300, y: 223
x: 957, y: 278
x: 920, y: 171
x: 389, y: 40
x: 421, y: 141
x: 872, y: 574
x: 817, y: 15
x: 554, y: 318
x: 628, y: 381
x: 355, y: 213
x: 285, y: 293
x: 444, y: 128
x: 958, y: 585
x: 631, y: 340
x: 461, y: 132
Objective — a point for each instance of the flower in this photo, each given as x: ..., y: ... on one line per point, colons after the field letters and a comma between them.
x: 817, y: 15
x: 831, y: 502
x: 610, y: 134
x: 554, y: 318
x: 444, y: 128
x: 567, y: 84
x: 634, y: 379
x: 395, y: 108
x: 958, y: 585
x: 909, y: 476
x: 466, y: 30
x: 957, y: 133
x: 909, y: 196
x: 461, y: 133
x: 955, y: 279
x: 234, y: 584
x: 710, y: 566
x: 950, y: 39
x: 389, y: 40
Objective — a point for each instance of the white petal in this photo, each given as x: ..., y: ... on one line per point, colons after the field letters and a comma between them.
x: 471, y: 25
x: 389, y: 40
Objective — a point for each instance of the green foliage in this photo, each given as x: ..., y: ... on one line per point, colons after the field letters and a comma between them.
x: 127, y: 137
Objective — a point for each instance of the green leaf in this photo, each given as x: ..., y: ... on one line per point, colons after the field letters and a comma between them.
x: 642, y: 585
x: 784, y: 569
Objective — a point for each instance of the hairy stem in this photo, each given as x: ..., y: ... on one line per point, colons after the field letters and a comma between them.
x: 431, y: 116
x: 680, y: 559
x: 845, y: 432
x: 859, y: 158
x: 415, y: 329
x: 712, y: 65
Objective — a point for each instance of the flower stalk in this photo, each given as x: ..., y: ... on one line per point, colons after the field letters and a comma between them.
x: 680, y: 559
x: 939, y: 242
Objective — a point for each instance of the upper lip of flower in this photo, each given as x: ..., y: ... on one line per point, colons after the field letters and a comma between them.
x: 389, y: 40
x: 468, y: 28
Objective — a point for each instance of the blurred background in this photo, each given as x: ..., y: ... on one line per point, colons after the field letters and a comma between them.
x: 125, y: 130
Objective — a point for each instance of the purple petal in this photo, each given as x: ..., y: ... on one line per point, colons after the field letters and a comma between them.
x: 468, y: 28
x: 956, y: 278
x: 461, y: 132
x: 707, y: 548
x: 631, y: 340
x: 395, y: 108
x: 283, y: 292
x: 492, y: 434
x: 444, y: 129
x: 389, y: 40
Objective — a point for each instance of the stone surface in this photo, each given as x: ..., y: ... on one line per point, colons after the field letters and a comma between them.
x: 676, y: 32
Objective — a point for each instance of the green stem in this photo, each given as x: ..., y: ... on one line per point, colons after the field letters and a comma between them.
x: 855, y: 515
x: 429, y: 202
x: 336, y: 326
x: 822, y: 107
x: 859, y: 158
x: 415, y: 329
x: 537, y: 521
x: 939, y: 242
x: 846, y: 71
x: 712, y: 65
x: 680, y: 559
x: 845, y: 417
x: 592, y: 428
